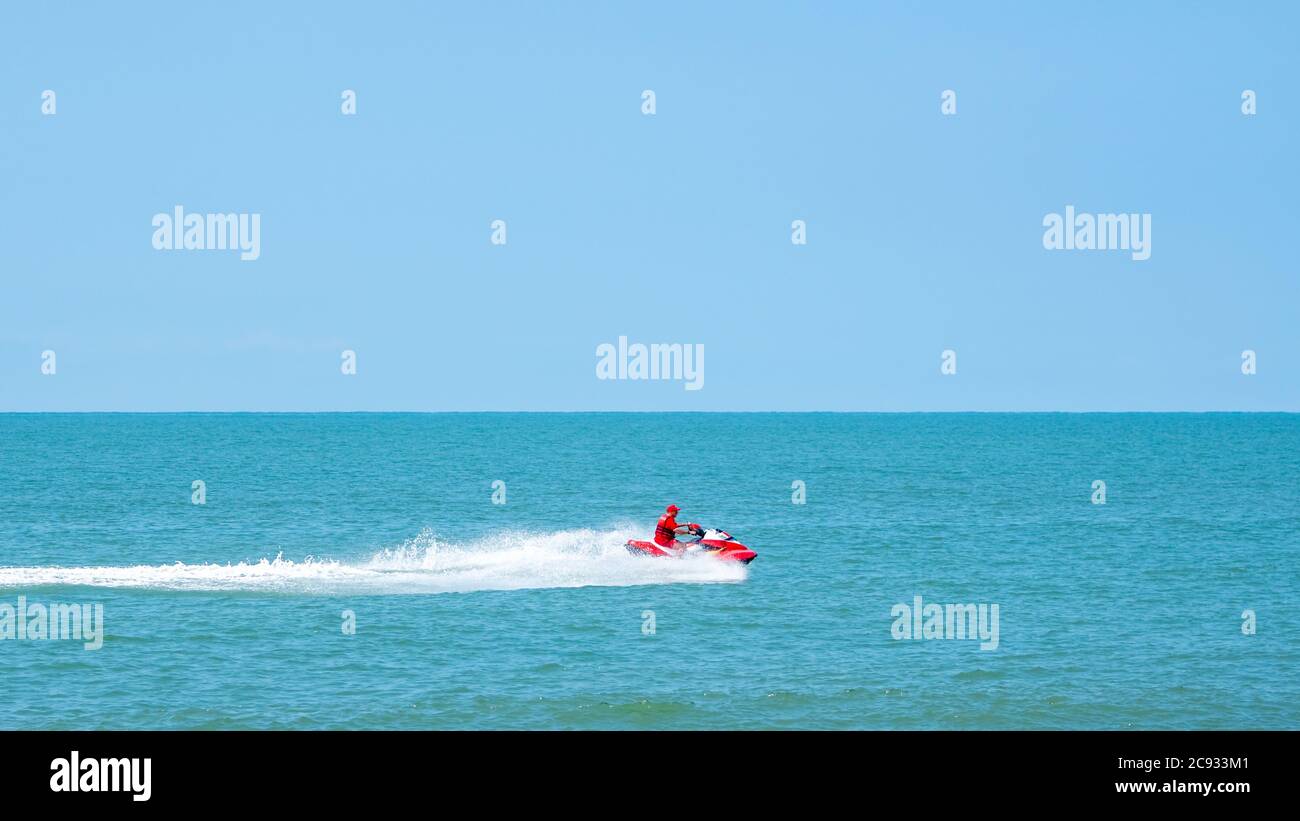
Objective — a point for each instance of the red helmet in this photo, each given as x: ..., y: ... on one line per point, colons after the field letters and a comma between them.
x: 673, y: 508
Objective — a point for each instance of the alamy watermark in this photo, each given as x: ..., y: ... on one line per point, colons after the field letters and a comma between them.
x: 56, y: 621
x: 179, y: 231
x: 946, y: 621
x: 77, y: 774
x: 1098, y: 232
x: 655, y: 361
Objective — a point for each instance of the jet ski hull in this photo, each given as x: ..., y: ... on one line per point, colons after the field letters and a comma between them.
x: 723, y: 551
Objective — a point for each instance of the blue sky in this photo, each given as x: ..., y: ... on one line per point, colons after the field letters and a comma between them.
x: 924, y: 230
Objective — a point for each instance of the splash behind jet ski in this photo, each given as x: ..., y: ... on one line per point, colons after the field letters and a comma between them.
x: 718, y: 544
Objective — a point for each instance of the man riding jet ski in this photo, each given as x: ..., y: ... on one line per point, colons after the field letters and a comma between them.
x: 666, y: 529
x: 709, y: 542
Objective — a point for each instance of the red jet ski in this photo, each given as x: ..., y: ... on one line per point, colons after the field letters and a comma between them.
x: 719, y: 544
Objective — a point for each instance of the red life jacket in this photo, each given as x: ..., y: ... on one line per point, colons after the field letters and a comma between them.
x: 665, y: 530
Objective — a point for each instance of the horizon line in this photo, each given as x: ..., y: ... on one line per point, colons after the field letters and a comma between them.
x: 558, y: 412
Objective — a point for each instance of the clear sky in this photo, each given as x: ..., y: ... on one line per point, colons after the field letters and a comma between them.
x: 925, y: 231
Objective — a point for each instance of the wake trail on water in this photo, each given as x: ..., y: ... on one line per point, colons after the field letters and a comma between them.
x: 424, y: 564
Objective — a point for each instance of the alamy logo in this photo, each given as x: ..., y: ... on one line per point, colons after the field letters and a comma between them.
x: 75, y: 774
x: 952, y: 621
x: 1098, y: 232
x: 38, y: 622
x: 654, y: 361
x: 180, y: 231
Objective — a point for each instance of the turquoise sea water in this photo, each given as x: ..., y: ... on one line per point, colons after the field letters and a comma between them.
x: 471, y: 614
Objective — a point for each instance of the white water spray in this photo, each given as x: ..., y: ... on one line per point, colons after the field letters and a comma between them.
x: 424, y: 564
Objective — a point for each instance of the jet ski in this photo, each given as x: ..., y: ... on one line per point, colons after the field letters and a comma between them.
x: 719, y: 544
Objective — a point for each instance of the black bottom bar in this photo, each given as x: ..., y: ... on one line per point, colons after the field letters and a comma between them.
x: 211, y: 770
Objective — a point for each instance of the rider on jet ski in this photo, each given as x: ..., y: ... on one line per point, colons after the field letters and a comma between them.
x: 667, y: 528
x: 713, y: 543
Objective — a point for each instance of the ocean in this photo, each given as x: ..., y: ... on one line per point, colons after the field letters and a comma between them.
x: 466, y: 571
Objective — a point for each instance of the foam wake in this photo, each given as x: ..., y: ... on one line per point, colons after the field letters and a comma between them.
x: 424, y: 564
